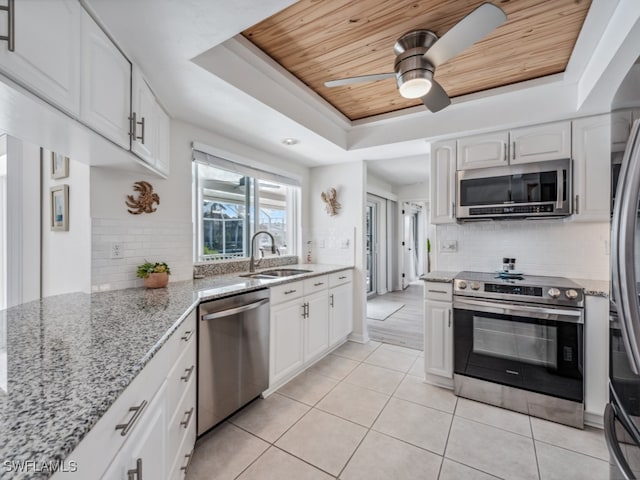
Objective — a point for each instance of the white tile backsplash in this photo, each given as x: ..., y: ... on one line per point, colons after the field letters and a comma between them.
x: 331, y: 247
x: 141, y: 240
x: 540, y: 247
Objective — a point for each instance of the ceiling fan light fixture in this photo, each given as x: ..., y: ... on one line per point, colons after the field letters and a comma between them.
x: 416, y: 87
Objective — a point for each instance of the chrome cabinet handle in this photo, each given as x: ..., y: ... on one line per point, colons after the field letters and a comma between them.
x: 10, y: 37
x: 187, y: 335
x: 305, y: 310
x: 437, y: 291
x: 126, y: 427
x: 141, y: 123
x: 577, y: 209
x: 133, y: 127
x: 513, y: 154
x: 185, y: 422
x: 453, y: 209
x: 449, y: 318
x: 506, y: 154
x: 318, y: 284
x: 342, y: 278
x: 289, y: 292
x: 331, y: 300
x: 136, y: 473
x: 188, y: 372
x: 185, y: 467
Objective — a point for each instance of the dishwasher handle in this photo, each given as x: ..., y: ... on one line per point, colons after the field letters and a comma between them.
x: 233, y: 311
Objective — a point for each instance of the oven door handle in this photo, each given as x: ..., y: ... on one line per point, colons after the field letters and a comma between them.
x: 542, y: 313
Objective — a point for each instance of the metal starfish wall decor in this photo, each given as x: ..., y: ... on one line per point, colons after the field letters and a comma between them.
x: 144, y: 202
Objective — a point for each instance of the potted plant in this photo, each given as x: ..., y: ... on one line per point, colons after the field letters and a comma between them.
x: 155, y: 275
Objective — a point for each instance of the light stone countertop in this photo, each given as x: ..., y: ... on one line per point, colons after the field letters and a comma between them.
x: 70, y: 356
x: 594, y: 288
x: 439, y: 276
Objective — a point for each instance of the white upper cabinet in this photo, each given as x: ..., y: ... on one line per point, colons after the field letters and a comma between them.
x: 442, y: 182
x: 551, y: 141
x: 164, y: 143
x: 46, y: 55
x: 144, y: 142
x: 592, y: 168
x: 480, y: 151
x: 106, y: 85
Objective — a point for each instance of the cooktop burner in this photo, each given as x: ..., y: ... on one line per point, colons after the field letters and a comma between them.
x: 519, y: 287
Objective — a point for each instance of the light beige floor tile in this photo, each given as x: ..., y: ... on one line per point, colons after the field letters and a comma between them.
x: 358, y: 404
x: 356, y: 351
x: 421, y: 426
x: 308, y: 387
x: 589, y: 441
x: 334, y: 366
x: 376, y: 378
x: 559, y: 464
x: 416, y: 390
x: 492, y: 450
x: 417, y: 369
x: 380, y: 457
x: 391, y: 359
x: 399, y: 349
x: 278, y: 465
x: 223, y: 453
x: 323, y: 440
x: 269, y: 418
x: 456, y: 471
x: 497, y: 417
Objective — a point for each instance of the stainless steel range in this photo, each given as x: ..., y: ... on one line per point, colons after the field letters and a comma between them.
x: 519, y: 343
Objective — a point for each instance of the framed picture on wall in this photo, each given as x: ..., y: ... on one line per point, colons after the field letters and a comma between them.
x: 60, y: 208
x: 59, y: 165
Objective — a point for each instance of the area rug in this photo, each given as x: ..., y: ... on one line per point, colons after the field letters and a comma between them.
x: 381, y: 309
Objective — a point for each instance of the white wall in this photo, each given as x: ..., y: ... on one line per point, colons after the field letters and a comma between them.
x: 66, y: 256
x: 329, y: 234
x: 541, y: 247
x: 415, y: 191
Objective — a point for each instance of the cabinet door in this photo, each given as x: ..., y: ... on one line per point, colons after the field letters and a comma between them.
x: 164, y: 142
x: 540, y: 143
x: 479, y: 151
x: 340, y: 312
x: 106, y: 85
x: 145, y: 450
x: 442, y: 182
x: 286, y: 352
x: 144, y: 106
x: 438, y: 334
x: 592, y: 168
x: 316, y: 332
x: 46, y: 58
x: 620, y: 130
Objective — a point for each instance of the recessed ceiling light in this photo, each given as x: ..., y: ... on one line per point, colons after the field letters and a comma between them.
x: 290, y: 141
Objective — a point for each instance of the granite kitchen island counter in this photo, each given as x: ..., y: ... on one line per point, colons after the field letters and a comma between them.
x: 69, y: 357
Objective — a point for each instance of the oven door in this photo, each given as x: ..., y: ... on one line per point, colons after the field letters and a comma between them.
x: 531, y: 347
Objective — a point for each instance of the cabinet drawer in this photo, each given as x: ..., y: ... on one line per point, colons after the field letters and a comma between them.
x: 181, y: 421
x: 182, y: 460
x: 438, y: 291
x: 181, y: 338
x: 316, y: 284
x: 286, y: 292
x: 181, y: 377
x: 338, y: 278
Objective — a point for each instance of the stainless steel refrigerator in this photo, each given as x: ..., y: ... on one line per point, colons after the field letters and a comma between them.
x: 622, y: 414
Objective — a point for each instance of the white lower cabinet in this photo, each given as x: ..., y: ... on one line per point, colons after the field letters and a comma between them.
x: 316, y: 328
x: 340, y: 306
x: 438, y: 333
x: 287, y: 337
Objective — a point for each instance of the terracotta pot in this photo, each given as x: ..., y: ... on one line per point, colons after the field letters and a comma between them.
x: 157, y: 280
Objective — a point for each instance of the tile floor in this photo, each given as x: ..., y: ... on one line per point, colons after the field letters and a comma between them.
x: 364, y: 412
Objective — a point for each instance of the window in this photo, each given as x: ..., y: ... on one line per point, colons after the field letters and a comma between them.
x: 232, y: 206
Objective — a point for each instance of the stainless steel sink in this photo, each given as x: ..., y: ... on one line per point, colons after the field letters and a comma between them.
x: 278, y: 272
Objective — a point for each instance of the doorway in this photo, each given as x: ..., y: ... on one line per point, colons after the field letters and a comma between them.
x: 371, y: 247
x: 413, y: 240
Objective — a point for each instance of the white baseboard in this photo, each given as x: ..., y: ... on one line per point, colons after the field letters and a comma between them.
x: 594, y: 420
x: 358, y: 338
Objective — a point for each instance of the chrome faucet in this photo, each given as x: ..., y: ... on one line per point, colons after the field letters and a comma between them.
x: 252, y: 260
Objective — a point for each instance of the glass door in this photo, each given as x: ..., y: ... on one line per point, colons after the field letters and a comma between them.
x: 371, y: 242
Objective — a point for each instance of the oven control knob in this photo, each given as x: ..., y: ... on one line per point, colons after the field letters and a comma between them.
x: 571, y: 294
x: 475, y: 285
x: 462, y: 284
x: 554, y: 292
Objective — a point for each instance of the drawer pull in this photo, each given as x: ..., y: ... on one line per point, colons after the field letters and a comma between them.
x: 136, y: 473
x: 188, y: 457
x: 437, y: 291
x: 318, y: 284
x: 125, y: 427
x: 342, y: 278
x: 331, y: 300
x: 187, y: 373
x: 187, y: 335
x: 289, y: 292
x: 185, y: 422
x: 11, y: 25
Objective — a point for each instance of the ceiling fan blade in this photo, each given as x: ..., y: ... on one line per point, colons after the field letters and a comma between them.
x: 437, y: 98
x: 476, y: 25
x: 364, y: 78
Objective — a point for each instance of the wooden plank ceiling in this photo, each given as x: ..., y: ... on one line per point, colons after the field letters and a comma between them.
x: 320, y: 40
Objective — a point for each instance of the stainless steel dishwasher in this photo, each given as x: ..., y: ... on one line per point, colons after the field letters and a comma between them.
x: 233, y: 355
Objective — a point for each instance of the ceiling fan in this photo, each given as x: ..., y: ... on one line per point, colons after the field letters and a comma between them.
x: 419, y: 52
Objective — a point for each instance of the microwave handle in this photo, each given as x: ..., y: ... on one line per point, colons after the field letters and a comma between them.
x: 559, y: 201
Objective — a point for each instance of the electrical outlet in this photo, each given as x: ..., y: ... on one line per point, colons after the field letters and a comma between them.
x: 117, y: 250
x: 449, y: 246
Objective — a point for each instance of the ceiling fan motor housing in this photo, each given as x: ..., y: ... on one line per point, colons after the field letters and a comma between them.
x: 410, y: 62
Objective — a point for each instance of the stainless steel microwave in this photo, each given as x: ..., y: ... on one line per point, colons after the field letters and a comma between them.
x: 529, y: 190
